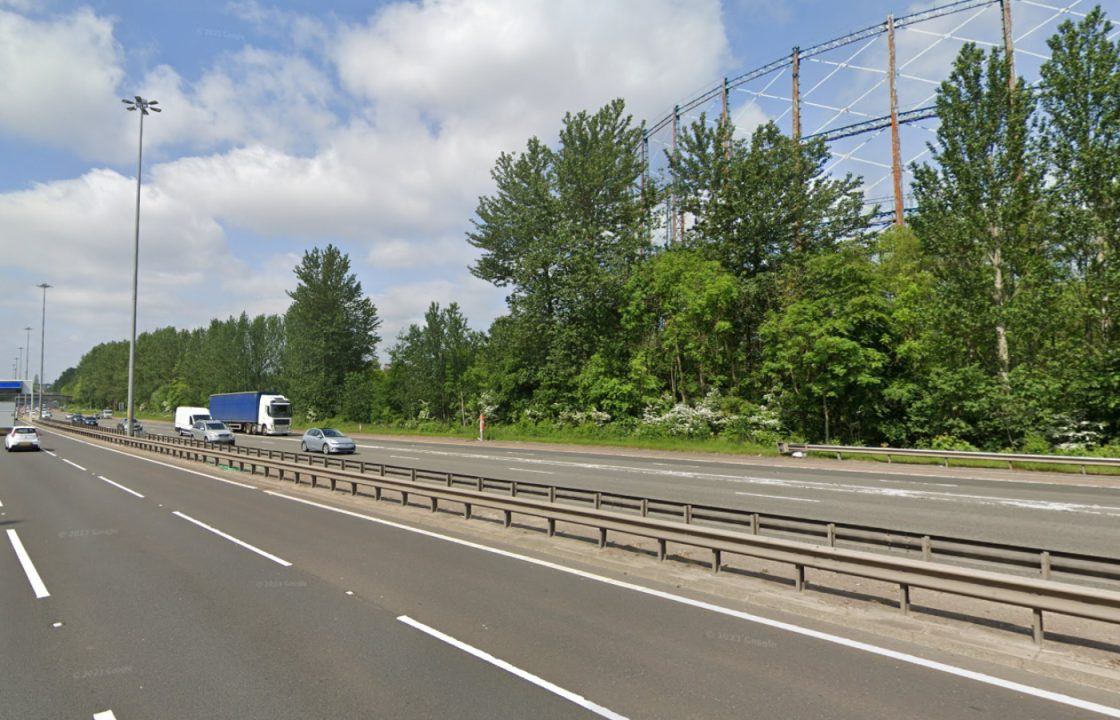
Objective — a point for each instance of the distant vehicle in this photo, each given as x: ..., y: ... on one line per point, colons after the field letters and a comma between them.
x: 77, y: 419
x: 90, y: 420
x: 212, y: 431
x: 21, y: 437
x: 106, y: 413
x: 136, y: 426
x: 47, y: 415
x: 253, y: 412
x: 186, y: 416
x: 326, y: 441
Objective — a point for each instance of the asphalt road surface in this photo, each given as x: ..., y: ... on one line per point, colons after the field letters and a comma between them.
x: 1030, y: 512
x: 131, y: 589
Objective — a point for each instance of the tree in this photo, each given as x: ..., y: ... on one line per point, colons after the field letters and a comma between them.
x: 563, y: 231
x: 679, y: 317
x: 330, y: 330
x: 430, y: 364
x: 979, y: 203
x: 829, y: 352
x: 758, y: 205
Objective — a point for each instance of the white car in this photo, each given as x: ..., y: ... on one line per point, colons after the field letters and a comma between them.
x: 22, y: 437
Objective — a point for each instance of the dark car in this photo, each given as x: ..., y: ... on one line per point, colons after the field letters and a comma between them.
x: 77, y: 419
x: 90, y: 420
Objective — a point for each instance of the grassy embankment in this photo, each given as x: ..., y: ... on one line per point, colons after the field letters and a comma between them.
x: 608, y: 437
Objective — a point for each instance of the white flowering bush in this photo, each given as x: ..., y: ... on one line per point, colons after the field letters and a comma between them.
x: 1071, y: 436
x: 704, y: 419
x: 584, y: 417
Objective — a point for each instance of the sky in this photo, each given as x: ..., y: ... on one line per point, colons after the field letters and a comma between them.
x: 370, y: 125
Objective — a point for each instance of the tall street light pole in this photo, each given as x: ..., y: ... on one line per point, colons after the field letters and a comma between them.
x: 137, y: 103
x: 27, y: 369
x: 19, y: 376
x: 42, y: 341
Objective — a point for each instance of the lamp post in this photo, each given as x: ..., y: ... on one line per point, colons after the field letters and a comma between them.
x: 137, y: 103
x: 27, y: 369
x: 19, y: 376
x: 42, y: 342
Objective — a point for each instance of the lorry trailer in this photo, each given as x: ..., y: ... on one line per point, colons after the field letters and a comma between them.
x: 257, y: 413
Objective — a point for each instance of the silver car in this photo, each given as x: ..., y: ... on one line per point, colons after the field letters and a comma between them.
x: 212, y: 431
x: 326, y: 441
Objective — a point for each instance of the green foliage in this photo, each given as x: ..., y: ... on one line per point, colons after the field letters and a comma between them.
x: 991, y: 322
x: 330, y: 331
x: 429, y: 368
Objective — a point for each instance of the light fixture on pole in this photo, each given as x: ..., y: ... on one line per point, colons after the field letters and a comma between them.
x: 144, y: 106
x: 42, y: 343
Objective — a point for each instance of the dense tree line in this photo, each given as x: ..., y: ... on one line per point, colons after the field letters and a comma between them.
x: 989, y: 320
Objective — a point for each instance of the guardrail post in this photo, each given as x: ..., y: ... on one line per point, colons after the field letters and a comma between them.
x: 552, y: 493
x: 478, y: 484
x: 513, y: 489
x: 1037, y: 630
x: 332, y: 484
x: 717, y: 559
x: 376, y: 492
x: 598, y: 500
x: 645, y: 507
x: 756, y: 524
x: 927, y: 547
x: 296, y: 473
x: 507, y: 518
x: 551, y: 527
x: 353, y: 488
x: 687, y: 513
x: 448, y: 479
x: 661, y: 549
x: 435, y: 503
x: 314, y: 480
x: 412, y: 474
x: 381, y: 469
x: 362, y: 466
x: 602, y: 538
x: 904, y: 598
x: 799, y: 577
x: 466, y: 511
x: 832, y: 534
x: 1045, y: 563
x: 404, y: 498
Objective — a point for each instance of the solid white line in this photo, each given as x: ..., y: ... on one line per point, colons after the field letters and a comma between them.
x: 50, y: 452
x: 758, y: 619
x: 1, y: 503
x: 28, y: 566
x: 404, y: 457
x: 242, y: 543
x: 122, y: 487
x: 776, y: 497
x: 513, y: 670
x: 104, y: 715
x: 539, y: 472
x: 157, y: 462
x: 68, y: 462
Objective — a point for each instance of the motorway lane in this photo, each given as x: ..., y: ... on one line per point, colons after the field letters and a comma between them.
x: 165, y: 620
x: 1030, y: 513
x: 239, y: 615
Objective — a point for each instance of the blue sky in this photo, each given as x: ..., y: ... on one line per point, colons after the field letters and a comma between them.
x: 372, y: 125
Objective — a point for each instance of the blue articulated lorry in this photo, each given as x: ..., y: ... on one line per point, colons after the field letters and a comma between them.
x: 253, y: 412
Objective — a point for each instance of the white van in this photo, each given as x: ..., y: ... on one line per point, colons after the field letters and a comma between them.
x: 186, y: 416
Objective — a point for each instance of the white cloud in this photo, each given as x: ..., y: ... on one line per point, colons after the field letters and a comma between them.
x: 59, y: 79
x: 400, y: 305
x: 383, y: 146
